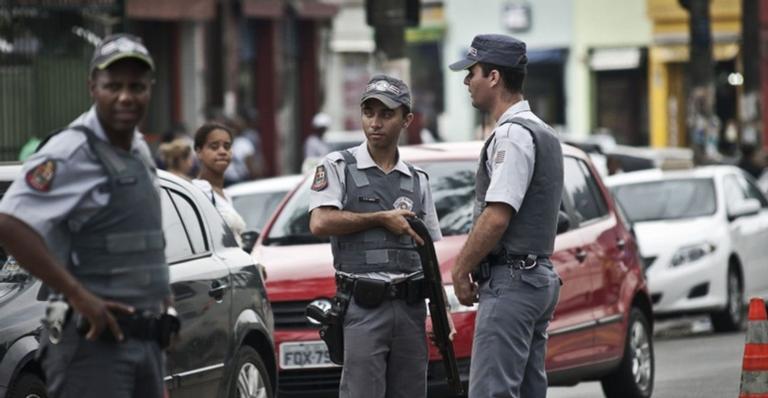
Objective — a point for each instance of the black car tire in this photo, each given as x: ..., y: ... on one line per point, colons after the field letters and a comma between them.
x: 634, y: 376
x: 250, y: 374
x: 731, y: 318
x: 29, y: 385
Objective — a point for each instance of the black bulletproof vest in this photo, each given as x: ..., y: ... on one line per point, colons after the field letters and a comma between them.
x: 533, y: 228
x: 120, y: 250
x: 377, y: 249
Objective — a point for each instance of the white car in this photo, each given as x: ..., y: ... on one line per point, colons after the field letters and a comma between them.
x: 702, y: 234
x: 257, y: 200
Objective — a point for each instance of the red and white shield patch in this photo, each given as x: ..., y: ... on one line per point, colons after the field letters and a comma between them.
x: 41, y: 177
x: 320, y: 181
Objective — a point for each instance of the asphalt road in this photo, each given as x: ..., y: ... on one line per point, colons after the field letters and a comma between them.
x: 691, y: 362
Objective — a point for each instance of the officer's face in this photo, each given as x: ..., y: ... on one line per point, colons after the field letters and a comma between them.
x: 121, y: 94
x: 382, y: 125
x: 216, y: 153
x: 477, y: 85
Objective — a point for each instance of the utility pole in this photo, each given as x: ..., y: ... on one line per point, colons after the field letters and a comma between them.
x: 703, y: 125
x: 749, y: 115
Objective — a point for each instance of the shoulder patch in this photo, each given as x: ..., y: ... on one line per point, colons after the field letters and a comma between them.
x: 41, y: 177
x: 500, y: 155
x: 320, y: 181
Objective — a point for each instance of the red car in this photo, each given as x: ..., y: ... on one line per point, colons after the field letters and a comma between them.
x: 602, y: 327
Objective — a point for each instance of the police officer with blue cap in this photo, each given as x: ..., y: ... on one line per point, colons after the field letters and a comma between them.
x: 84, y: 217
x: 518, y: 191
x: 361, y: 198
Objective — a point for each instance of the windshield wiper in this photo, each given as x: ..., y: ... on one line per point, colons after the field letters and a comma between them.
x: 289, y: 240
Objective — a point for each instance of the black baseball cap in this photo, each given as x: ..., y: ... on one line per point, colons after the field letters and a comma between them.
x: 391, y: 91
x: 494, y: 49
x: 120, y: 46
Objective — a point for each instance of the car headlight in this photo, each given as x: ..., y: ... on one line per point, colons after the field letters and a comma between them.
x: 453, y: 303
x: 692, y: 253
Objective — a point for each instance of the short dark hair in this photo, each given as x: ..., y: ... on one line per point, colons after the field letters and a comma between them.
x: 514, y: 78
x: 201, y: 135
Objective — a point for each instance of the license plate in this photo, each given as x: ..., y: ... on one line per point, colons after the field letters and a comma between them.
x: 304, y: 355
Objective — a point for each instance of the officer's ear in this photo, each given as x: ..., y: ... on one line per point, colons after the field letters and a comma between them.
x: 407, y: 117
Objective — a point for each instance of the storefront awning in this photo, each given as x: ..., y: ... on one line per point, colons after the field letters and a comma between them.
x: 171, y: 10
x: 267, y: 9
x: 603, y: 59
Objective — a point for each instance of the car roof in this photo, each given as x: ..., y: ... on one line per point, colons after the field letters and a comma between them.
x: 469, y: 150
x: 264, y: 185
x: 9, y: 170
x: 658, y: 174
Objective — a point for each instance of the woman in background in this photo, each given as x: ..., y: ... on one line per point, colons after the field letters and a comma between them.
x: 177, y: 157
x: 213, y: 146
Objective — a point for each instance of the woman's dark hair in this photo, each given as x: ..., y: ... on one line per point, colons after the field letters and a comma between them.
x: 201, y: 135
x: 513, y: 77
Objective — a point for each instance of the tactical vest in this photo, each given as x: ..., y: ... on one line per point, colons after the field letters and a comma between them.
x: 377, y: 249
x: 120, y: 250
x: 533, y: 228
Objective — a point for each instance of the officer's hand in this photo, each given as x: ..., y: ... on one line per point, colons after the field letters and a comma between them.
x: 98, y: 312
x: 395, y: 221
x: 464, y: 288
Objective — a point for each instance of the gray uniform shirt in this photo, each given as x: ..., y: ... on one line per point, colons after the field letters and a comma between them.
x: 74, y: 193
x: 511, y: 156
x: 334, y: 195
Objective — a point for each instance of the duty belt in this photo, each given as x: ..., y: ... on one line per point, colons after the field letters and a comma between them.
x: 410, y: 289
x: 518, y: 261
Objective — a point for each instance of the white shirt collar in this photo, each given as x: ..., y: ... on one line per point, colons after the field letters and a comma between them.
x: 91, y: 120
x: 365, y: 161
x: 518, y: 107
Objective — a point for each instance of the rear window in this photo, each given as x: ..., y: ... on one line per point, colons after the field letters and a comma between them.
x: 667, y: 199
x: 452, y: 184
x: 256, y: 208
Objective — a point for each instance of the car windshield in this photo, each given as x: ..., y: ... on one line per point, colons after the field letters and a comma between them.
x: 256, y: 208
x: 453, y: 190
x: 667, y: 199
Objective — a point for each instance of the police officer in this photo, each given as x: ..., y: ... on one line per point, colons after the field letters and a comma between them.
x: 361, y: 197
x: 518, y: 192
x: 84, y: 217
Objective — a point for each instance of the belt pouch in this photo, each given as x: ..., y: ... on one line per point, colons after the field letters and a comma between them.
x: 370, y: 293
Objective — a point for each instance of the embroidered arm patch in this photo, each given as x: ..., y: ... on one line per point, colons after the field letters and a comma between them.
x: 41, y: 177
x: 320, y: 181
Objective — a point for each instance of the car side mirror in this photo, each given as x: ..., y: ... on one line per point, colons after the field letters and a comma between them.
x: 563, y: 222
x: 249, y: 239
x: 746, y: 207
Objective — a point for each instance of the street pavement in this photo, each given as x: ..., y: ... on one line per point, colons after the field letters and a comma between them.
x: 691, y: 362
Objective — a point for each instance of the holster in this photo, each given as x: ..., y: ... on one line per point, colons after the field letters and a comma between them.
x: 167, y: 326
x: 482, y: 273
x: 332, y: 333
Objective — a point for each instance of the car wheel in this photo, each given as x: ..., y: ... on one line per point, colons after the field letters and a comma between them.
x: 29, y: 385
x: 732, y: 317
x: 250, y: 378
x: 634, y: 376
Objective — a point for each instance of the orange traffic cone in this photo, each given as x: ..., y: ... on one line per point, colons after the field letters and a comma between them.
x: 754, y: 370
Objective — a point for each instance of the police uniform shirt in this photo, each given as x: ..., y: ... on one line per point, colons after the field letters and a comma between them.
x: 510, y: 158
x: 334, y: 194
x: 60, y: 186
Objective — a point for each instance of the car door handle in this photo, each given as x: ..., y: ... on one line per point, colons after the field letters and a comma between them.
x: 581, y: 255
x: 217, y: 290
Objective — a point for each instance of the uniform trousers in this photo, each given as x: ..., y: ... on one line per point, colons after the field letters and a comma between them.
x: 509, y: 346
x: 385, y: 351
x: 79, y: 368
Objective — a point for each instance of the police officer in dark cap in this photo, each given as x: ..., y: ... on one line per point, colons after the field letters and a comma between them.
x: 84, y: 217
x: 518, y: 191
x: 361, y: 198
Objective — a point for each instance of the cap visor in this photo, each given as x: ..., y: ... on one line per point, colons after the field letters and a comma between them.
x: 117, y: 57
x: 388, y: 102
x: 461, y: 65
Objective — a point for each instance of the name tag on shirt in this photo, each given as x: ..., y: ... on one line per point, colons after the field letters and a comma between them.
x: 368, y: 200
x: 127, y: 180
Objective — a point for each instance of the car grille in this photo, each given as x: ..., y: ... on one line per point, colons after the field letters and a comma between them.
x: 291, y: 315
x: 325, y: 382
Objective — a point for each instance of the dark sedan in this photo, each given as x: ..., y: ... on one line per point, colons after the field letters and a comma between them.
x: 226, y: 345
